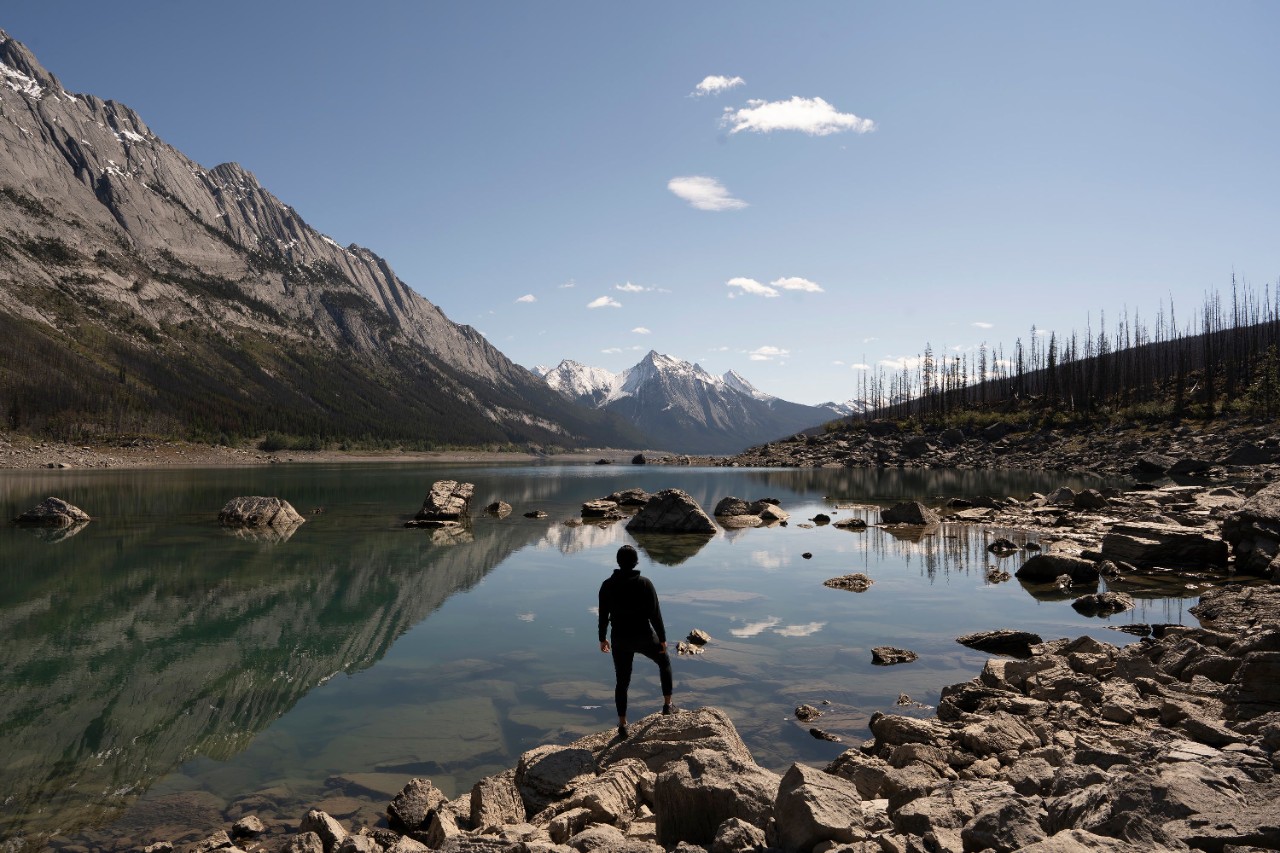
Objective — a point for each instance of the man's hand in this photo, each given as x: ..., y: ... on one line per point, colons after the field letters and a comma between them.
x: 604, y: 646
x: 663, y: 646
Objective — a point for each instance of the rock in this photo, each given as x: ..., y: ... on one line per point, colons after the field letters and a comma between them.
x: 304, y: 842
x: 630, y: 497
x: 1189, y: 465
x: 1045, y: 568
x: 996, y: 431
x: 736, y: 835
x: 638, y: 459
x: 1147, y: 544
x: 731, y: 506
x: 612, y: 797
x: 805, y: 713
x: 888, y: 655
x: 496, y: 800
x: 54, y: 512
x: 1089, y: 499
x: 997, y: 733
x: 259, y: 512
x: 807, y: 555
x: 813, y: 807
x: 856, y: 582
x: 600, y: 509
x: 1238, y: 608
x: 1004, y: 827
x: 604, y: 461
x: 1061, y: 496
x: 1255, y: 688
x: 359, y: 844
x: 1002, y: 642
x: 1103, y: 603
x: 546, y: 773
x: 908, y: 512
x: 1253, y: 532
x: 819, y: 734
x: 411, y: 809
x: 249, y: 826
x: 535, y: 513
x: 448, y: 500
x: 1002, y: 546
x: 699, y: 792
x: 821, y: 518
x: 499, y: 508
x: 894, y: 729
x: 1153, y: 463
x: 329, y: 831
x: 659, y: 740
x: 699, y: 637
x: 867, y: 773
x: 945, y: 810
x: 850, y: 524
x: 405, y: 844
x: 671, y: 511
x: 771, y: 514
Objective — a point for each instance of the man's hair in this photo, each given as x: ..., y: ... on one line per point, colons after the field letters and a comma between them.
x: 627, y: 557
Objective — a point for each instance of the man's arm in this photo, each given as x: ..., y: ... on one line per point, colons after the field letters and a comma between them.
x: 655, y: 618
x: 603, y: 621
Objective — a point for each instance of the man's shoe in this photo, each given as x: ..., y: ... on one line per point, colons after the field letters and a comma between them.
x: 668, y: 710
x: 622, y: 733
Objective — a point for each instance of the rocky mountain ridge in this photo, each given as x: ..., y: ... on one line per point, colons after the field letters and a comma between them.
x: 104, y: 224
x: 680, y: 406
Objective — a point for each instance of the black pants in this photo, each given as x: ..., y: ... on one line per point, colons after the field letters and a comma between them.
x: 623, y: 654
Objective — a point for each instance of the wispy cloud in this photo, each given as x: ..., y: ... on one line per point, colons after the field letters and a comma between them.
x: 860, y: 366
x: 640, y: 330
x: 838, y: 363
x: 611, y: 350
x: 528, y: 297
x: 568, y: 284
x: 800, y: 630
x: 604, y: 302
x: 900, y: 363
x: 813, y: 116
x: 704, y: 193
x: 796, y: 283
x: 751, y: 286
x: 869, y: 340
x: 714, y: 84
x: 982, y: 325
x: 768, y: 353
x: 751, y: 629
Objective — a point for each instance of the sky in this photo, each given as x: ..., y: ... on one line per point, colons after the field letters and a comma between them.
x: 796, y: 191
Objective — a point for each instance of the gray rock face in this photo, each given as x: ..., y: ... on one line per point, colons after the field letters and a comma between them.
x: 1253, y: 533
x: 908, y: 512
x: 671, y: 511
x: 411, y: 809
x: 731, y: 506
x: 736, y: 835
x: 813, y: 807
x: 259, y: 512
x: 53, y: 512
x: 547, y: 772
x: 600, y: 509
x: 1165, y: 545
x: 330, y: 832
x: 496, y: 800
x: 168, y: 243
x: 448, y: 500
x: 889, y: 655
x: 699, y: 792
x: 1238, y: 607
x: 658, y: 740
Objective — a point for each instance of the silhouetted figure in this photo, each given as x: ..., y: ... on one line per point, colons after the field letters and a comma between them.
x: 630, y: 602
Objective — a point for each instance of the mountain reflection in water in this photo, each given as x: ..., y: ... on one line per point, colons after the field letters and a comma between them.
x: 152, y: 648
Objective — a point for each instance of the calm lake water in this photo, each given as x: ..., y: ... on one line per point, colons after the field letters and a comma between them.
x: 157, y: 671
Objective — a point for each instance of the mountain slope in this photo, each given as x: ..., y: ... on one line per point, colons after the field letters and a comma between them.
x: 143, y: 292
x: 680, y: 406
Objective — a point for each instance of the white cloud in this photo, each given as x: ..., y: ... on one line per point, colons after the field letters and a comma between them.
x: 859, y: 366
x: 1040, y: 333
x: 640, y: 330
x: 796, y: 283
x: 869, y: 340
x: 568, y: 284
x: 838, y: 363
x: 611, y: 350
x: 800, y: 630
x: 718, y: 349
x: 714, y: 84
x: 768, y: 353
x: 528, y: 297
x: 704, y: 193
x: 909, y: 363
x: 813, y: 116
x: 981, y: 325
x: 604, y: 302
x: 750, y: 285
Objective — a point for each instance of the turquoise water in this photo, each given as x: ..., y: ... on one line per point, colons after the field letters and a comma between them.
x: 159, y: 671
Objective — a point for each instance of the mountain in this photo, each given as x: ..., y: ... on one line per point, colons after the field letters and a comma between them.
x: 847, y: 408
x: 679, y: 406
x: 142, y: 292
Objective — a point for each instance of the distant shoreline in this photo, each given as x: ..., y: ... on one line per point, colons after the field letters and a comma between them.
x: 22, y: 453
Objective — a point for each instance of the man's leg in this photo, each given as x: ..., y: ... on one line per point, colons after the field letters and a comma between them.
x: 622, y: 658
x: 663, y: 660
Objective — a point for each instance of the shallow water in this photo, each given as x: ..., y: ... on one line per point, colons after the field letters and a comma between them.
x: 158, y: 671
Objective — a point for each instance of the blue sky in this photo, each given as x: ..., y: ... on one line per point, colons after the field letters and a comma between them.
x: 971, y: 170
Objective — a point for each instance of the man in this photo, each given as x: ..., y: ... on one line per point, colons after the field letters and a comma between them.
x: 631, y: 603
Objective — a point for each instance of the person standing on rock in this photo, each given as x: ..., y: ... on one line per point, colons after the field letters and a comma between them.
x: 630, y: 602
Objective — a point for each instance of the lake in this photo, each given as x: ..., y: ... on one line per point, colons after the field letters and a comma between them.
x: 160, y: 672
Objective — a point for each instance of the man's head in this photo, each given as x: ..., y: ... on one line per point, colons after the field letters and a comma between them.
x: 627, y: 557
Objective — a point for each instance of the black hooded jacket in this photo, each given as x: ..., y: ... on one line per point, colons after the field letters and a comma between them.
x: 631, y: 603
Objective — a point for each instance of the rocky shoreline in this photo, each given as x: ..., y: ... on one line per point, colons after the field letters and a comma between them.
x: 1168, y: 743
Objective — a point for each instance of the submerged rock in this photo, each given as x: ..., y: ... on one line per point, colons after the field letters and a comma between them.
x: 856, y: 582
x: 448, y: 500
x: 1002, y: 642
x: 671, y: 511
x: 889, y: 655
x: 1103, y: 603
x: 908, y: 512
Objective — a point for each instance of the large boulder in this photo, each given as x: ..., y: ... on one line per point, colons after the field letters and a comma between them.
x: 495, y: 800
x: 732, y: 506
x: 259, y: 512
x: 411, y: 809
x: 600, y: 509
x: 1147, y: 544
x: 1002, y: 642
x: 908, y: 512
x: 813, y: 807
x: 658, y: 740
x: 547, y: 773
x: 1253, y: 531
x: 1103, y: 603
x: 448, y: 500
x: 1238, y: 608
x: 700, y: 791
x: 1046, y: 568
x: 53, y: 512
x: 671, y: 511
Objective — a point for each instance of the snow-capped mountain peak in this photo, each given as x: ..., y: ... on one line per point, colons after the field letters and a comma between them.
x: 738, y: 382
x: 580, y: 382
